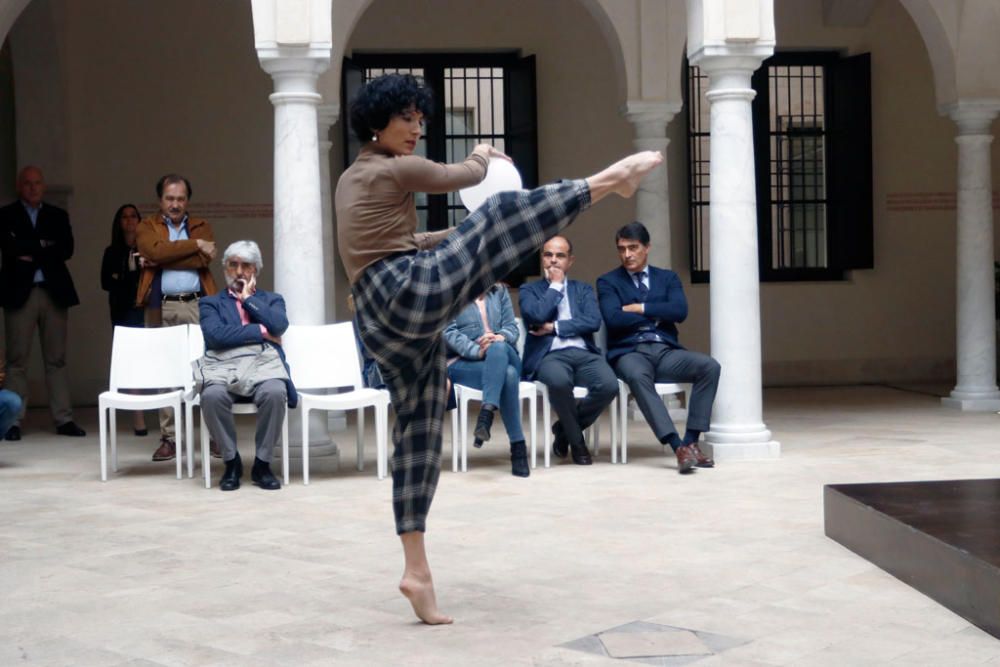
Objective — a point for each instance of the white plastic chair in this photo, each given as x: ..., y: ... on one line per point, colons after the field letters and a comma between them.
x: 144, y: 359
x: 196, y: 348
x: 664, y: 389
x: 326, y: 357
x: 463, y: 394
x: 592, y: 434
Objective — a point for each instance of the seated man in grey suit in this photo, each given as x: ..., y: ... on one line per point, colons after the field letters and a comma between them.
x: 642, y: 306
x: 241, y: 323
x: 561, y: 316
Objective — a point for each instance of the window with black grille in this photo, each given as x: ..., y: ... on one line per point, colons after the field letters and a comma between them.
x: 812, y: 140
x: 479, y: 98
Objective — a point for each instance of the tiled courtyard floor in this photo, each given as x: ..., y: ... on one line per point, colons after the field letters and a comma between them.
x: 572, y: 566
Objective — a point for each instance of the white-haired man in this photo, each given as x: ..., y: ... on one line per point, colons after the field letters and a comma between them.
x: 236, y: 323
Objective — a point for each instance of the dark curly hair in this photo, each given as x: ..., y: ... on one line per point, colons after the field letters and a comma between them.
x: 384, y: 97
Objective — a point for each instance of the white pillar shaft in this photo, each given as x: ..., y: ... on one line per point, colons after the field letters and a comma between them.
x: 976, y: 388
x: 327, y: 116
x: 652, y: 203
x: 298, y: 204
x: 737, y: 417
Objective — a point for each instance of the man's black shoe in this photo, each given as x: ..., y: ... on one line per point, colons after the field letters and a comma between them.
x: 71, y: 429
x: 231, y: 477
x: 13, y: 433
x: 560, y: 445
x: 262, y: 476
x: 581, y: 455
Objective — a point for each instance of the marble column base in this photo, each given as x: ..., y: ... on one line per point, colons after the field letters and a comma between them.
x: 732, y: 443
x: 336, y: 420
x: 320, y: 443
x: 986, y: 403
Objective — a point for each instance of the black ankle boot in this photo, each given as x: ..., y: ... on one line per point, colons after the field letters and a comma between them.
x: 263, y: 477
x: 231, y: 477
x: 483, y: 424
x: 519, y: 459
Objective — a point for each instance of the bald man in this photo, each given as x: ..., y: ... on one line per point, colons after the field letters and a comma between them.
x: 36, y: 292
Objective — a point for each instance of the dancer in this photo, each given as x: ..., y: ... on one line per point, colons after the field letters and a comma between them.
x: 408, y: 286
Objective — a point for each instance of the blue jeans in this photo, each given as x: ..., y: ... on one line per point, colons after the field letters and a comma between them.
x: 10, y: 406
x: 498, y: 375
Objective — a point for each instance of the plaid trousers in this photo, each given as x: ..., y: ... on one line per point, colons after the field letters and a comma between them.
x: 404, y: 302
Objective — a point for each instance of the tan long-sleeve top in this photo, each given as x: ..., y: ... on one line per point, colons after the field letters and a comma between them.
x: 376, y: 212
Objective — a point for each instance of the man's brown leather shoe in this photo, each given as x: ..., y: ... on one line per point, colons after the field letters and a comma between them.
x: 686, y: 460
x: 703, y: 461
x: 166, y: 451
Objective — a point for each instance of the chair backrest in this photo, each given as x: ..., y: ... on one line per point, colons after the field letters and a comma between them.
x: 521, y: 336
x: 196, y: 342
x: 150, y: 358
x: 323, y: 356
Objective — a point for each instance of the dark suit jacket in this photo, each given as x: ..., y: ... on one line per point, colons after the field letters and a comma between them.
x: 222, y: 328
x: 19, y: 238
x: 539, y: 305
x: 666, y: 306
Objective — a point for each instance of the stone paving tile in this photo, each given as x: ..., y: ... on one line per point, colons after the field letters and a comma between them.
x: 146, y: 569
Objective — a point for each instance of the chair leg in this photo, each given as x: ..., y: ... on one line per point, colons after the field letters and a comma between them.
x: 361, y: 439
x: 114, y: 441
x: 614, y: 427
x: 206, y: 459
x: 305, y: 444
x: 189, y: 435
x: 623, y: 399
x: 463, y: 417
x: 102, y: 419
x: 546, y: 426
x: 533, y: 419
x: 285, y: 468
x: 381, y: 450
x: 454, y: 440
x: 179, y: 426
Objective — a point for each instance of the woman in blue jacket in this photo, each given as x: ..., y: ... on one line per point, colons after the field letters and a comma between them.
x: 481, y: 343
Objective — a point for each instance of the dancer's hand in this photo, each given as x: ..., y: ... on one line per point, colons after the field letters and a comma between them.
x: 491, y: 151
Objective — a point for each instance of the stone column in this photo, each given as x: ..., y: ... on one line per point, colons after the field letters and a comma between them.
x: 328, y: 115
x: 976, y: 352
x: 298, y: 207
x: 737, y: 429
x: 652, y: 201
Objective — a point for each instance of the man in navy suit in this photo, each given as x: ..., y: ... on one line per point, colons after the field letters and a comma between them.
x: 642, y: 306
x: 561, y: 316
x: 36, y: 292
x: 244, y: 316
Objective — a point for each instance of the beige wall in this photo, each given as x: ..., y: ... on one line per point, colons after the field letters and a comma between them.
x: 152, y: 87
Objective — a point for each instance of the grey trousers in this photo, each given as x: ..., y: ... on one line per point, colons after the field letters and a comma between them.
x: 563, y: 369
x: 172, y: 314
x: 270, y: 397
x: 656, y: 362
x: 42, y: 313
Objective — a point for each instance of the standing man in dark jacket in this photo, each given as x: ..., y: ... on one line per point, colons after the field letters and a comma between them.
x: 561, y: 316
x: 642, y: 306
x: 243, y: 316
x: 36, y: 292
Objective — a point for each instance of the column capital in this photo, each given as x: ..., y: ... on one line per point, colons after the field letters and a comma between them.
x: 295, y: 71
x: 650, y: 118
x: 718, y: 57
x: 973, y: 116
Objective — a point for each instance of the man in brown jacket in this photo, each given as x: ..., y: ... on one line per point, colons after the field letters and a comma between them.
x: 176, y: 252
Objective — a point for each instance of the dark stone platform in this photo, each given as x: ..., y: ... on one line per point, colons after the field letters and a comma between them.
x: 942, y: 538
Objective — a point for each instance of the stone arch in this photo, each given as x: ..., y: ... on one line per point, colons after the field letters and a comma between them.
x: 347, y: 13
x: 940, y: 36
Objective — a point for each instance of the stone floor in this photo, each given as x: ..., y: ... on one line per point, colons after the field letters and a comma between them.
x: 605, y: 565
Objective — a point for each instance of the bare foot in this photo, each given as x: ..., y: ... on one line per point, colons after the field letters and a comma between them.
x: 419, y: 590
x: 624, y: 176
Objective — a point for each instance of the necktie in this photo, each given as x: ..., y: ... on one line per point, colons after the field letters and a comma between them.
x: 641, y: 286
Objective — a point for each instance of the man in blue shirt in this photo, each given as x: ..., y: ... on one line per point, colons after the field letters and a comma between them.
x: 176, y: 251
